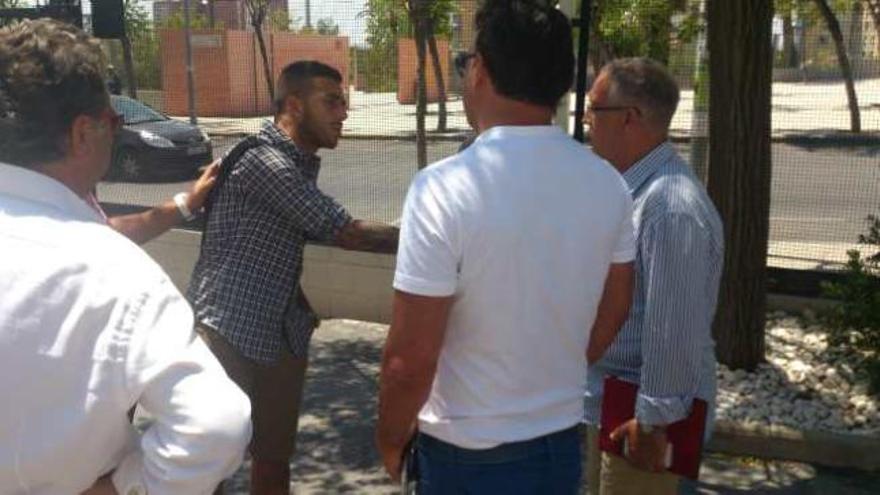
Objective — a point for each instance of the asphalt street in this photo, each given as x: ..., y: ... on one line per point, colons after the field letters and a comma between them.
x: 819, y: 195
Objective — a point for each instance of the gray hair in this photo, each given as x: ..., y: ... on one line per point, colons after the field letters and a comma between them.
x: 50, y: 73
x: 646, y: 84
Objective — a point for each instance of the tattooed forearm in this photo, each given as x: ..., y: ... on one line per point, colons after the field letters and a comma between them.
x: 361, y: 235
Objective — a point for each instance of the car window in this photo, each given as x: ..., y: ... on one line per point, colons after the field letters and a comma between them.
x: 135, y: 112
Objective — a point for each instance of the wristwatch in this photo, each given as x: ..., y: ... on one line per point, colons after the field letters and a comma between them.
x: 180, y: 202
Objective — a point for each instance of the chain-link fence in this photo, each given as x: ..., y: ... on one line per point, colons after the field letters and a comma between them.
x: 825, y: 180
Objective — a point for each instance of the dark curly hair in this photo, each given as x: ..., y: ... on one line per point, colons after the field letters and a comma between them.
x: 50, y: 73
x: 527, y: 48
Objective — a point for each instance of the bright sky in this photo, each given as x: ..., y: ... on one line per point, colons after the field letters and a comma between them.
x: 343, y: 12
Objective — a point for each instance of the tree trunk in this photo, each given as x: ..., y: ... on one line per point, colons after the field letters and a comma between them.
x: 740, y: 66
x: 129, y: 67
x: 789, y: 52
x: 600, y: 52
x: 438, y: 76
x: 699, y: 152
x: 267, y: 71
x: 418, y: 11
x: 856, y: 38
x: 874, y: 9
x: 855, y: 121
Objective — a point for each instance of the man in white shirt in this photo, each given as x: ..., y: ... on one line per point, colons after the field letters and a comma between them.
x: 510, y: 253
x: 89, y: 324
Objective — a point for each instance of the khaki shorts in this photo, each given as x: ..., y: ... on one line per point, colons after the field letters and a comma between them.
x: 608, y: 474
x: 275, y: 392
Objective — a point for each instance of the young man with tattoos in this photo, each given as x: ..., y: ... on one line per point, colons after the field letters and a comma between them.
x: 245, y: 288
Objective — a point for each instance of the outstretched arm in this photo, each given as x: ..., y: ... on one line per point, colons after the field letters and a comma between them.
x: 363, y: 235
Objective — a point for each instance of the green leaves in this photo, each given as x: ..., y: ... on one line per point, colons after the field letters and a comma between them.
x: 854, y: 322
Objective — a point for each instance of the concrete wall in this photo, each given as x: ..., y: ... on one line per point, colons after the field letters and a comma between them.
x: 348, y: 284
x: 339, y: 284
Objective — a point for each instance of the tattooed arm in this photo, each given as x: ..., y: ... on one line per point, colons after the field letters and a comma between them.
x: 362, y: 235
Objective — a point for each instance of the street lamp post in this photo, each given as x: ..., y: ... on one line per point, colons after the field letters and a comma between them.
x: 190, y: 86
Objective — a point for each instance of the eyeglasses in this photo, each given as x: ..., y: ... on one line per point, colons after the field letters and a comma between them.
x: 611, y: 108
x: 461, y: 62
x: 591, y: 110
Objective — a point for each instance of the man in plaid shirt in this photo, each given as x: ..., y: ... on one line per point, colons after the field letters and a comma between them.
x: 245, y: 287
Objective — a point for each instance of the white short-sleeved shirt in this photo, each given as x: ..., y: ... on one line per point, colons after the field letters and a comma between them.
x: 90, y: 325
x: 520, y: 228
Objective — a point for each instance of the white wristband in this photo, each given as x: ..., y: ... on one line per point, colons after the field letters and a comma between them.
x: 180, y: 202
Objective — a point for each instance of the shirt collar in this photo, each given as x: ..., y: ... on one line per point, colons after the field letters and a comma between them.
x: 277, y: 137
x: 501, y: 131
x: 642, y: 170
x: 25, y: 184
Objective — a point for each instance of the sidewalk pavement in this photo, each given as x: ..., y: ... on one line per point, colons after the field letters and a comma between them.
x: 335, y: 451
x: 798, y: 108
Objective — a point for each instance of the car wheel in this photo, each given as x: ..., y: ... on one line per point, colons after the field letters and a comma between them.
x: 128, y: 164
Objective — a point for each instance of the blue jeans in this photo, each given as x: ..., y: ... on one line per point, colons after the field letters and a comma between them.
x: 550, y: 464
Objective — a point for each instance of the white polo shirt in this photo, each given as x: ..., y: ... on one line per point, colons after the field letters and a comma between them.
x: 520, y: 228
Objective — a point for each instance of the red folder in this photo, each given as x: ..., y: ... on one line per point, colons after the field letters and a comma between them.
x: 686, y: 436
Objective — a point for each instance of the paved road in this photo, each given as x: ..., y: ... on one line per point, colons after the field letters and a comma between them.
x: 819, y: 195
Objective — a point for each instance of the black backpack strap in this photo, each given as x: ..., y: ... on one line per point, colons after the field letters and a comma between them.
x: 228, y: 164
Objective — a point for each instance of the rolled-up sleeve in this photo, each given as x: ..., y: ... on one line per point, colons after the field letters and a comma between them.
x: 676, y: 254
x: 201, y: 421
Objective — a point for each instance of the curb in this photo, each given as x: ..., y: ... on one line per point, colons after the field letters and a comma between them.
x: 824, y: 448
x: 831, y: 139
x: 452, y: 136
x: 808, y: 139
x: 825, y: 139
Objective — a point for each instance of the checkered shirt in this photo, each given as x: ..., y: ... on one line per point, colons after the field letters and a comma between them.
x: 246, y: 281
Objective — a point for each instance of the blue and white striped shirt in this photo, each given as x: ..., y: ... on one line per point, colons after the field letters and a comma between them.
x: 666, y: 344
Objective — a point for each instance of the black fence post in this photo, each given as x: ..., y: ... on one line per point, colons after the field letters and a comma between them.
x: 581, y: 75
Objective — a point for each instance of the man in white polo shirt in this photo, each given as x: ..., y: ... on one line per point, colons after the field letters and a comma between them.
x: 510, y: 253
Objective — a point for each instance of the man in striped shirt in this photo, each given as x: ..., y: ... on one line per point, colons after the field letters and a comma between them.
x: 666, y: 346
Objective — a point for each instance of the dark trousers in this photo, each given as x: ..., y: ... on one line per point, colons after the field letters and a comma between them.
x: 550, y: 464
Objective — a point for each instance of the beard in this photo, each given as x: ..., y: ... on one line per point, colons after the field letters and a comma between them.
x: 310, y: 130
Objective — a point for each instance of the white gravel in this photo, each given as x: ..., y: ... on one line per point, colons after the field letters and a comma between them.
x: 803, y: 385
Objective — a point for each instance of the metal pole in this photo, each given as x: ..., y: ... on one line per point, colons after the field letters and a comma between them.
x: 308, y: 13
x: 699, y: 152
x: 563, y: 116
x: 190, y: 85
x: 583, y: 55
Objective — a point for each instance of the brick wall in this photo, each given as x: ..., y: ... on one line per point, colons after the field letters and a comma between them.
x: 228, y: 69
x: 407, y: 67
x: 339, y: 284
